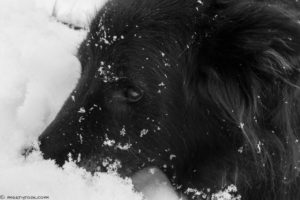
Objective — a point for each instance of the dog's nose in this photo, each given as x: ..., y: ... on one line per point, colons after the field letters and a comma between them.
x: 53, y: 146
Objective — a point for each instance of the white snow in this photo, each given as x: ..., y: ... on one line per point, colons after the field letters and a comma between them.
x: 76, y: 12
x: 38, y: 70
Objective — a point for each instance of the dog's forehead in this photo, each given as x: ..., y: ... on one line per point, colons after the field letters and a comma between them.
x: 135, y: 53
x: 151, y: 22
x: 134, y: 46
x: 111, y: 25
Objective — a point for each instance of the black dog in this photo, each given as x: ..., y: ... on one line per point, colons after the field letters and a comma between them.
x: 207, y: 91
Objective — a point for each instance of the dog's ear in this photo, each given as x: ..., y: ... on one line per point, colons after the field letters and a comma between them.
x: 246, y: 62
x: 243, y: 51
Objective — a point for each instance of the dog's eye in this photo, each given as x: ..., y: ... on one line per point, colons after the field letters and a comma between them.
x: 134, y: 94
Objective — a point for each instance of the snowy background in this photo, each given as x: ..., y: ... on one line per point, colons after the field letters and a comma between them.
x: 38, y: 70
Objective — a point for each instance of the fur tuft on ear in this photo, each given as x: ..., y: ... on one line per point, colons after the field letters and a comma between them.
x: 248, y: 59
x: 244, y: 50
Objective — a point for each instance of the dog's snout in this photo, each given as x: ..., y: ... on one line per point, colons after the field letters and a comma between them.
x: 51, y: 144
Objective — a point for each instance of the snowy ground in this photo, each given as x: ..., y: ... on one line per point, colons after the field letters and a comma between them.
x: 38, y: 70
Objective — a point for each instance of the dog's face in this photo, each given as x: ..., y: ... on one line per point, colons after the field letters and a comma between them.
x: 195, y: 89
x: 129, y: 109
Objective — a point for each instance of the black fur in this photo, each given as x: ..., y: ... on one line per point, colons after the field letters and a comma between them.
x: 208, y: 91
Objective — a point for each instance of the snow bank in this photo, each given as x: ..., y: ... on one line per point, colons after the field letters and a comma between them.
x: 76, y: 12
x: 81, y: 12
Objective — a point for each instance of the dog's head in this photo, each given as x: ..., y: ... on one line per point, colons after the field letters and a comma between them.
x: 129, y: 109
x: 168, y: 83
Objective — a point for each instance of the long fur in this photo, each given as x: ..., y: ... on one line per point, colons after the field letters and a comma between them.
x: 220, y: 80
